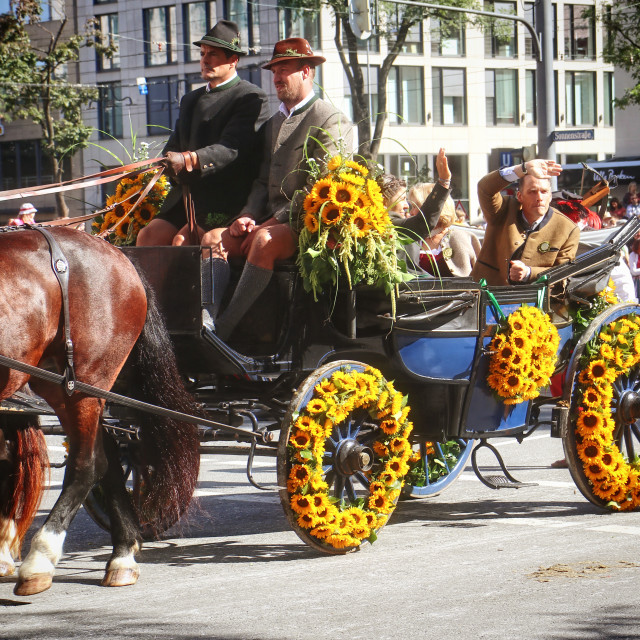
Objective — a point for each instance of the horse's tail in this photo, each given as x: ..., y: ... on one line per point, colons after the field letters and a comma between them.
x: 169, y: 448
x: 25, y: 461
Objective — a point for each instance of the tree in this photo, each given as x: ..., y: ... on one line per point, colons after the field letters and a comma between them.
x: 392, y: 24
x: 34, y: 61
x: 621, y: 25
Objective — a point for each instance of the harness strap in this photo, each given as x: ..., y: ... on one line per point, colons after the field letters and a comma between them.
x: 191, y: 215
x: 60, y: 268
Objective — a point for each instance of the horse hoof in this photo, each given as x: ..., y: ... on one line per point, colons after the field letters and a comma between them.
x: 6, y: 569
x: 120, y: 577
x: 35, y: 584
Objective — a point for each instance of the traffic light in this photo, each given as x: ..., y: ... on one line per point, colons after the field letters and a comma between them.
x: 360, y: 18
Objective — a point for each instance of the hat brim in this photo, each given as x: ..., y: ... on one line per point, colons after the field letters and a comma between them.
x: 312, y: 60
x: 220, y: 45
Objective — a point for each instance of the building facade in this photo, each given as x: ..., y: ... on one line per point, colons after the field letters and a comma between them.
x: 471, y: 91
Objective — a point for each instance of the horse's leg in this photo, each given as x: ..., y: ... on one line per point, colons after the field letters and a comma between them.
x: 122, y: 568
x: 86, y: 464
x: 8, y: 530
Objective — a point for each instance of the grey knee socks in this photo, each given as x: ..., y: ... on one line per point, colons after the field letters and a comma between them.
x: 252, y: 283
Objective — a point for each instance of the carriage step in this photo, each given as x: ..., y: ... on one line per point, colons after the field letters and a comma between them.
x: 507, y: 481
x: 502, y: 482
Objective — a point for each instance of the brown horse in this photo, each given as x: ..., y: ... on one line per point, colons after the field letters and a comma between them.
x: 110, y: 313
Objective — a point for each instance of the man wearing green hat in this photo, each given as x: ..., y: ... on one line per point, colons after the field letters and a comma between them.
x: 215, y: 149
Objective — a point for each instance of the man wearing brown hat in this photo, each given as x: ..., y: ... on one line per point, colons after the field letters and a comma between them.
x: 215, y: 149
x: 305, y: 128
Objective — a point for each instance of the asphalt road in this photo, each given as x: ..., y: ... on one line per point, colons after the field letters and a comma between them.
x: 537, y: 562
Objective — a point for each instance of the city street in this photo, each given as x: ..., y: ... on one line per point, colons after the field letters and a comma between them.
x: 538, y: 562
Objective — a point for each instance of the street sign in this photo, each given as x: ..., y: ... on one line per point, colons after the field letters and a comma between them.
x: 506, y: 159
x: 571, y: 135
x: 460, y: 208
x: 142, y: 85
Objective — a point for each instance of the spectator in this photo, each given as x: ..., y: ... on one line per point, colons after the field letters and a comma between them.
x: 25, y: 216
x: 394, y: 195
x: 633, y: 208
x: 634, y: 262
x: 632, y: 189
x: 616, y: 209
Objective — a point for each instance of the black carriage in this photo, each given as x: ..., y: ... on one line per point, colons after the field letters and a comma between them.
x: 255, y: 387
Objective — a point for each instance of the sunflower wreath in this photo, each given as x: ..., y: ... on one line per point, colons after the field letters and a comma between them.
x: 325, y: 517
x: 611, y: 355
x: 523, y: 355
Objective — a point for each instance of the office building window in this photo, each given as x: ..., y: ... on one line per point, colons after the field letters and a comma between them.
x: 252, y: 73
x: 246, y: 14
x: 413, y: 42
x: 500, y: 39
x: 501, y: 96
x: 301, y: 23
x: 449, y: 96
x: 447, y: 39
x: 530, y: 113
x: 104, y: 1
x: 110, y: 110
x: 609, y: 95
x: 162, y: 106
x: 198, y: 19
x: 579, y: 33
x: 580, y: 98
x: 109, y: 30
x: 23, y: 164
x: 405, y: 95
x: 160, y: 36
x: 371, y: 92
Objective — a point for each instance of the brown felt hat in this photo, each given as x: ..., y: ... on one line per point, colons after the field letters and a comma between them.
x: 294, y: 49
x: 224, y: 35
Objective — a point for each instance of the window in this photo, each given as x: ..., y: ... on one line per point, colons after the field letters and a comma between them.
x: 500, y: 38
x: 579, y: 33
x: 246, y: 14
x: 371, y: 92
x: 412, y: 168
x: 447, y: 39
x: 449, y: 96
x: 104, y: 1
x: 162, y: 106
x: 405, y: 95
x: 109, y: 30
x: 110, y: 110
x: 608, y: 97
x: 302, y: 23
x: 501, y: 96
x: 23, y: 164
x: 198, y: 19
x: 580, y: 98
x: 160, y: 36
x: 253, y: 74
x: 413, y: 41
x: 530, y: 113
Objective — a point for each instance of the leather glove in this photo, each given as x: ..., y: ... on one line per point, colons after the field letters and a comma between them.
x: 174, y: 163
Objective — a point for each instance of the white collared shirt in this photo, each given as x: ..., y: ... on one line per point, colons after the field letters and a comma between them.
x: 288, y: 114
x: 233, y: 77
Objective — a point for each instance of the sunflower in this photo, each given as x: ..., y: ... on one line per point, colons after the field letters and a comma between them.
x: 379, y: 502
x: 589, y: 423
x: 311, y: 204
x: 301, y: 504
x: 361, y: 169
x: 334, y: 163
x: 316, y: 405
x: 360, y: 222
x: 307, y: 520
x: 331, y: 214
x: 311, y: 222
x: 299, y: 475
x: 321, y: 189
x: 590, y: 451
x: 300, y: 439
x: 343, y: 194
x: 374, y: 192
x: 351, y: 178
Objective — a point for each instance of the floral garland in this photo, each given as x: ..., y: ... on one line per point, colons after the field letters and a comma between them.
x: 347, y: 231
x: 524, y: 355
x: 332, y: 401
x: 125, y: 228
x: 611, y: 355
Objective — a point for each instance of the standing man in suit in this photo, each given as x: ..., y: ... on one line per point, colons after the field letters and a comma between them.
x: 524, y: 235
x: 215, y: 149
x: 305, y: 128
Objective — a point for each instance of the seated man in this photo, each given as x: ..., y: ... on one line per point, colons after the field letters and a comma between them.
x: 524, y: 235
x: 305, y: 128
x: 215, y: 148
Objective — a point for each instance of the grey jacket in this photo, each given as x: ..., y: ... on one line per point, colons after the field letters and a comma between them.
x: 312, y: 132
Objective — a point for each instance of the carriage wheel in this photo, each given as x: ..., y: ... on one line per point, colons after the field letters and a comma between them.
x: 150, y: 525
x: 342, y: 456
x: 602, y: 443
x: 435, y: 466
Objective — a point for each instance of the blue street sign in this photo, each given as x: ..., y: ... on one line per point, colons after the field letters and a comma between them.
x: 506, y: 159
